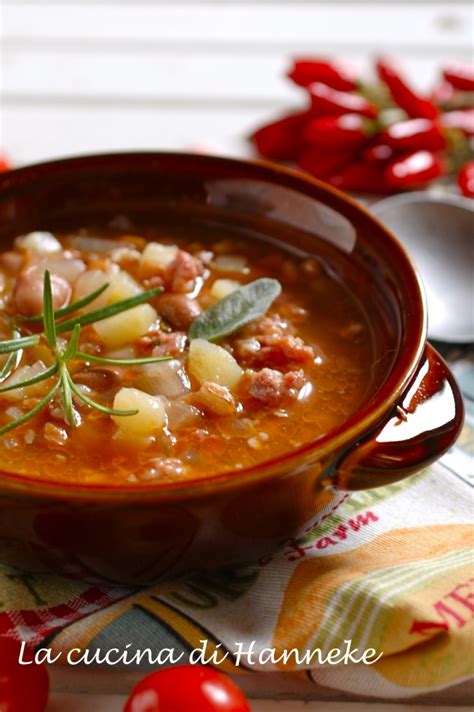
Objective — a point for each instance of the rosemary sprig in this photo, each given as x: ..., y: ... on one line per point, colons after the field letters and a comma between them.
x: 52, y: 325
x: 13, y: 359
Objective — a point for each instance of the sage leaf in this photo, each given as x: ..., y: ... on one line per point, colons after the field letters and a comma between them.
x: 235, y: 310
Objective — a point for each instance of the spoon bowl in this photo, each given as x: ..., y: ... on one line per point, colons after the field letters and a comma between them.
x: 438, y: 235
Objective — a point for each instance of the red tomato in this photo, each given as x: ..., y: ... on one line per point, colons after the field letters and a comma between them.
x: 186, y: 688
x: 5, y: 164
x: 23, y: 688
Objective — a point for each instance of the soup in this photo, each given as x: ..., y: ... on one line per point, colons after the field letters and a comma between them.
x: 285, y: 375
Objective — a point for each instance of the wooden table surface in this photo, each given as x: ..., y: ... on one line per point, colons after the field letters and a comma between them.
x: 97, y: 75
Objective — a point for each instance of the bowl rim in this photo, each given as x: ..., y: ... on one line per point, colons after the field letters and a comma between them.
x: 349, y: 431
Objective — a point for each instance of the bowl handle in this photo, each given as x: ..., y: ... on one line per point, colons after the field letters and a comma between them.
x: 419, y: 429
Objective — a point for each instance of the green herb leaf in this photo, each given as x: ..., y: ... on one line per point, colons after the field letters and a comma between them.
x: 110, y: 310
x: 48, y: 312
x: 17, y: 344
x: 235, y: 310
x: 13, y: 359
x: 43, y: 376
x: 31, y: 413
x: 71, y: 349
x: 121, y: 361
x: 82, y: 396
x: 75, y: 306
x: 66, y: 396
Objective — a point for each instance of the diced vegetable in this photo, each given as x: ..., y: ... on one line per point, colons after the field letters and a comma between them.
x: 156, y: 257
x: 167, y: 378
x: 222, y: 287
x: 151, y: 414
x: 210, y: 362
x: 126, y: 327
x: 215, y: 399
x: 42, y: 242
x: 230, y: 263
x: 23, y: 373
x: 122, y: 286
x: 181, y: 414
x: 87, y: 283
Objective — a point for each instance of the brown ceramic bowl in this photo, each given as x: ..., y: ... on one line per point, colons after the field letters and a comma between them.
x: 137, y: 535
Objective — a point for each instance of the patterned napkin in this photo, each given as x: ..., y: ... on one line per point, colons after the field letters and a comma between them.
x: 388, y: 569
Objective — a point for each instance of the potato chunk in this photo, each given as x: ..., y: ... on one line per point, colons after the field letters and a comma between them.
x: 209, y: 362
x: 151, y: 414
x: 222, y: 287
x: 122, y: 286
x: 43, y: 243
x: 156, y: 257
x: 127, y: 327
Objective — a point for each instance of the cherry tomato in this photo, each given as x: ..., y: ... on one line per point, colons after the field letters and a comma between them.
x: 23, y: 688
x: 186, y: 688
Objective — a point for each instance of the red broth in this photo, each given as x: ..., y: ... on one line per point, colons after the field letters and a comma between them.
x: 298, y: 372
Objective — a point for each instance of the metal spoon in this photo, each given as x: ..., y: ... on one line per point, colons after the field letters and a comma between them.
x: 438, y: 234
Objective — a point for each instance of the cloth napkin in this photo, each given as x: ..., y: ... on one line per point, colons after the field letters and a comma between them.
x: 388, y: 569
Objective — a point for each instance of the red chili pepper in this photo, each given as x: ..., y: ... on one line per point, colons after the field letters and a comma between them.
x: 463, y: 119
x: 326, y: 100
x: 414, y: 135
x: 338, y: 131
x: 378, y: 153
x: 442, y: 94
x: 335, y: 74
x: 415, y: 105
x: 282, y: 139
x: 321, y: 163
x: 360, y: 177
x: 413, y: 169
x: 460, y: 76
x: 466, y: 179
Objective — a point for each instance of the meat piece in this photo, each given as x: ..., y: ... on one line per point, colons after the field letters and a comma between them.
x: 180, y: 276
x: 178, y: 309
x: 28, y: 292
x: 271, y: 388
x: 171, y: 344
x: 273, y: 349
x: 266, y: 325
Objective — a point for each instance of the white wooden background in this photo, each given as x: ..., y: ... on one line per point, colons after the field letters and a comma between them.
x: 95, y: 76
x: 92, y: 75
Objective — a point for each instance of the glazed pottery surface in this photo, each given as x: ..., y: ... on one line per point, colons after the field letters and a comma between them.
x: 137, y: 534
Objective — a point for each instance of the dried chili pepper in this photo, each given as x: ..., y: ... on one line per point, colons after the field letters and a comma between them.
x: 282, y: 139
x: 415, y: 105
x: 326, y: 100
x: 462, y: 119
x: 460, y: 76
x: 335, y: 74
x: 361, y: 177
x: 339, y: 131
x: 466, y: 179
x: 413, y: 169
x: 321, y: 163
x: 415, y: 134
x: 378, y: 152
